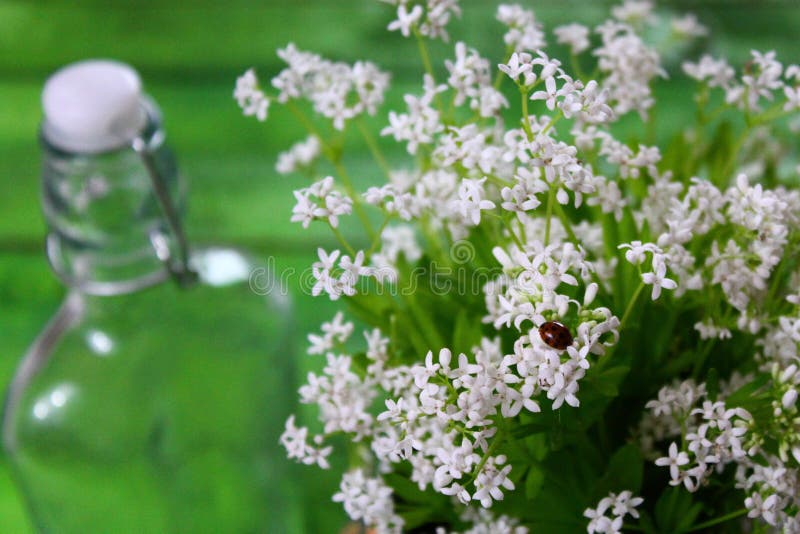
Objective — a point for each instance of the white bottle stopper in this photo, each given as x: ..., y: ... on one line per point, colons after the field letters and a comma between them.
x: 93, y: 106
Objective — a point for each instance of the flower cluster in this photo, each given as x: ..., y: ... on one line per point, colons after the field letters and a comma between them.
x: 368, y: 500
x: 502, y: 297
x: 714, y: 436
x: 300, y: 156
x: 620, y: 506
x: 337, y: 279
x: 320, y: 201
x: 337, y: 91
x: 250, y: 97
x: 424, y: 17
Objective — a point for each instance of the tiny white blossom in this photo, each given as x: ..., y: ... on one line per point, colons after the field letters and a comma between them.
x: 675, y: 460
x: 250, y: 97
x: 405, y: 19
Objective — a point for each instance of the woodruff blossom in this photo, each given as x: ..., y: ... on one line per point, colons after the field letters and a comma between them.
x: 576, y: 36
x: 524, y: 32
x: 471, y: 200
x: 320, y: 201
x: 368, y: 500
x: 630, y: 66
x: 251, y: 99
x: 337, y: 91
x: 300, y: 156
x: 428, y: 17
x: 430, y: 397
x: 601, y: 522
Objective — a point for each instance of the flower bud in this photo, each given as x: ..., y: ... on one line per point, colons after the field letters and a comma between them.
x: 788, y: 373
x: 789, y: 398
x: 590, y: 294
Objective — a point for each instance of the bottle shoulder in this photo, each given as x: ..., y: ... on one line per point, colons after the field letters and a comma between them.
x: 208, y: 362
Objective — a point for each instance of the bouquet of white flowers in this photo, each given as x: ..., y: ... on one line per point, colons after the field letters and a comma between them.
x: 563, y: 329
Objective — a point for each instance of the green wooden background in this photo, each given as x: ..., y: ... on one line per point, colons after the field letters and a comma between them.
x: 189, y: 54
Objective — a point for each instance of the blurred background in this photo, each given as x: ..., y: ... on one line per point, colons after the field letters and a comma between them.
x: 189, y: 54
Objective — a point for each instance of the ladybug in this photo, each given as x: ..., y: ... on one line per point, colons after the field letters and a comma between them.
x: 555, y: 335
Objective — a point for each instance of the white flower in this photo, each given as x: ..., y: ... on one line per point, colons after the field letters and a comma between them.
x: 792, y: 98
x: 621, y: 505
x: 688, y: 26
x: 335, y: 331
x: 576, y: 36
x: 471, y: 200
x: 629, y: 65
x: 320, y: 201
x: 714, y: 72
x: 519, y: 65
x: 405, y: 19
x: 368, y: 500
x: 249, y: 96
x: 625, y: 504
x: 294, y: 439
x: 491, y: 480
x: 336, y: 90
x: 549, y: 94
x: 524, y: 32
x: 635, y: 12
x: 422, y: 121
x: 759, y: 507
x: 675, y: 460
x: 658, y: 279
x: 636, y: 253
x: 299, y: 156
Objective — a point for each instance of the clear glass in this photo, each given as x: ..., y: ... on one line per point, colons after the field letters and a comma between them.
x: 144, y: 406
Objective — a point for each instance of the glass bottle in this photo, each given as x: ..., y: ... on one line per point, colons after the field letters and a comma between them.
x: 154, y: 399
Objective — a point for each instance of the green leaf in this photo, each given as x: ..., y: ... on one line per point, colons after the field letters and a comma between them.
x: 535, y: 427
x: 720, y: 153
x: 416, y: 517
x: 534, y: 481
x: 406, y: 489
x: 608, y: 380
x: 712, y: 384
x: 624, y: 472
x: 537, y: 446
x: 465, y: 334
x: 747, y: 391
x: 675, y: 511
x: 646, y: 523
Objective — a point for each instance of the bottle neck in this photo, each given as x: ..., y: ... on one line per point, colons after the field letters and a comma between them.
x: 107, y: 233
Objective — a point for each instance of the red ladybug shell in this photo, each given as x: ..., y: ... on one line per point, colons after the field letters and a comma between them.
x: 555, y: 335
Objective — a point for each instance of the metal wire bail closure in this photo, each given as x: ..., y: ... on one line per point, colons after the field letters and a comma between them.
x: 179, y: 267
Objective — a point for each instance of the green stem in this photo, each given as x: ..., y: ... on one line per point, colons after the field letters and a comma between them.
x: 717, y: 521
x: 358, y: 205
x: 333, y: 156
x: 342, y: 240
x: 498, y: 78
x: 511, y: 232
x: 551, y: 199
x: 576, y: 66
x: 635, y: 528
x: 374, y: 148
x: 566, y: 223
x: 498, y: 439
x: 377, y: 240
x: 309, y: 126
x: 426, y: 62
x: 434, y: 242
x: 737, y: 146
x: 526, y: 123
x: 629, y: 309
x: 553, y: 121
x: 701, y: 358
